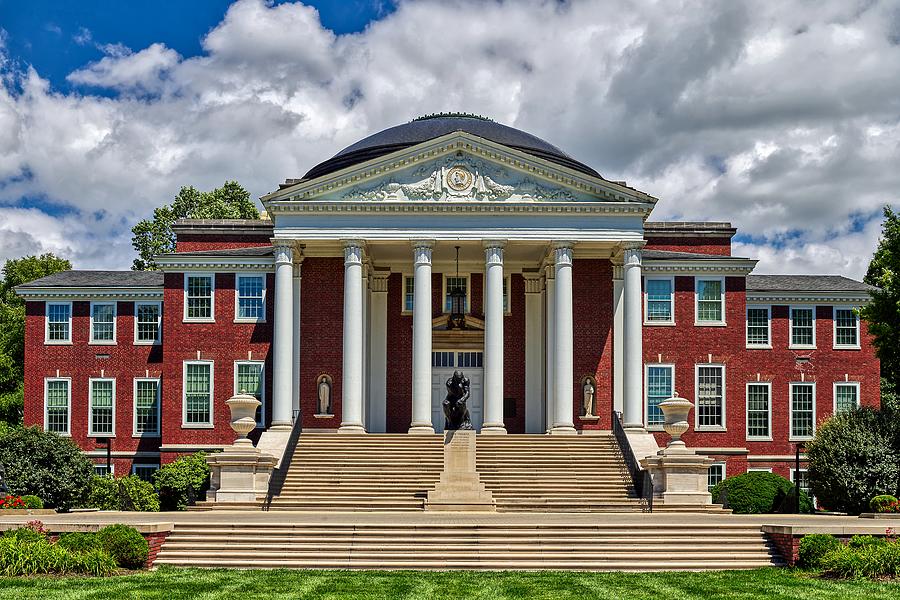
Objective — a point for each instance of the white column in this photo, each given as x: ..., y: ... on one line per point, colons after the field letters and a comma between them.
x: 351, y: 383
x: 563, y: 371
x: 421, y: 359
x: 283, y: 343
x: 378, y: 353
x: 493, y: 337
x: 633, y: 341
x: 534, y: 369
x: 365, y: 343
x: 295, y: 355
x: 549, y: 345
x: 618, y: 338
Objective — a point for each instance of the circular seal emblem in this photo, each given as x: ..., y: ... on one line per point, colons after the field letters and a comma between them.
x: 459, y: 178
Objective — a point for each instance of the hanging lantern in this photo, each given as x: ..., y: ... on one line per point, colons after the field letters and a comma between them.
x: 457, y: 318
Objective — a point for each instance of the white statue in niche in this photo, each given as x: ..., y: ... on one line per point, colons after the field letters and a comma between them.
x: 588, y: 397
x: 324, y: 395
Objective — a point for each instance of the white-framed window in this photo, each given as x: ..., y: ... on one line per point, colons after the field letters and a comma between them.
x: 103, y: 323
x: 759, y: 326
x: 803, y: 327
x: 803, y: 410
x: 249, y: 378
x: 57, y: 405
x: 102, y: 409
x: 660, y: 386
x: 250, y: 298
x: 102, y: 470
x: 507, y: 285
x: 710, y: 300
x: 710, y: 380
x: 846, y: 328
x: 145, y: 470
x: 59, y: 323
x: 409, y: 293
x: 147, y: 322
x: 450, y: 283
x: 659, y: 300
x: 199, y: 296
x: 146, y: 407
x: 759, y: 410
x: 715, y: 475
x: 846, y: 396
x: 801, y: 479
x: 198, y: 394
x: 470, y: 360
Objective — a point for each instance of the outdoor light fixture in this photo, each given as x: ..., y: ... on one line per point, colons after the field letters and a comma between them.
x: 457, y: 318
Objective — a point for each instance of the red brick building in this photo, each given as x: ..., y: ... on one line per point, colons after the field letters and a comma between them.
x: 449, y: 243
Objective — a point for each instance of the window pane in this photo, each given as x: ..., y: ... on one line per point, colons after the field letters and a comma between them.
x: 199, y: 291
x: 505, y: 296
x: 409, y: 293
x: 845, y: 327
x: 147, y: 407
x: 102, y: 407
x: 146, y: 472
x: 715, y: 474
x: 758, y: 410
x: 102, y: 322
x: 659, y: 300
x: 197, y: 396
x: 709, y: 300
x: 802, y: 326
x: 802, y: 418
x: 58, y: 406
x: 453, y: 283
x: 148, y: 322
x: 250, y: 382
x: 709, y: 396
x: 659, y: 388
x: 58, y: 321
x: 845, y: 397
x: 758, y: 326
x: 250, y: 297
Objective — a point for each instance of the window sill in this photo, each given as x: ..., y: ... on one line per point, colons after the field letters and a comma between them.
x: 759, y: 439
x: 57, y: 343
x: 846, y: 348
x: 145, y: 343
x: 710, y: 429
x: 103, y: 343
x: 758, y: 347
x: 65, y: 435
x: 792, y: 347
x: 249, y: 321
x: 800, y: 439
x: 198, y: 321
x: 146, y: 435
x: 655, y: 428
x: 102, y: 436
x: 659, y: 323
x: 197, y: 426
x: 710, y: 324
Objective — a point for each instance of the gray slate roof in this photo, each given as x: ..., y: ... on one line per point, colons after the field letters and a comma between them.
x: 655, y: 226
x: 98, y: 279
x: 805, y: 283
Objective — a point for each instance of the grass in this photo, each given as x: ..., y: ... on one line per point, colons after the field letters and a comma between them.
x: 177, y: 584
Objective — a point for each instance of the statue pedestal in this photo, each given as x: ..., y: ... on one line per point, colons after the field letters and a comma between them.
x: 240, y: 473
x: 460, y: 488
x: 680, y: 476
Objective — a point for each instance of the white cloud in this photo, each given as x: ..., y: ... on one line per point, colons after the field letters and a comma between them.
x: 781, y: 117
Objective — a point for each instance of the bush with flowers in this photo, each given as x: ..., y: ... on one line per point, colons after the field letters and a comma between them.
x: 12, y: 502
x: 885, y: 503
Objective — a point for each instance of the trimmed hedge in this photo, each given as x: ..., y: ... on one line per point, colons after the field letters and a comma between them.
x: 884, y: 503
x: 28, y: 552
x: 79, y: 541
x: 129, y: 493
x: 813, y: 549
x: 181, y: 482
x: 759, y: 492
x: 125, y: 544
x: 33, y: 502
x: 869, y: 560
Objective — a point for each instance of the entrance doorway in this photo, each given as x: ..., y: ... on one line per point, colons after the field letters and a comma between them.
x: 443, y: 363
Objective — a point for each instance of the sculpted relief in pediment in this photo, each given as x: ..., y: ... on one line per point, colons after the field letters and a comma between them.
x: 458, y: 178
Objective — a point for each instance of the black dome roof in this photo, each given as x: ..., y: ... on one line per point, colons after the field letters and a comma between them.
x: 434, y: 126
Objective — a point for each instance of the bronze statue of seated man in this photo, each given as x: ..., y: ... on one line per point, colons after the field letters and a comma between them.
x: 456, y: 413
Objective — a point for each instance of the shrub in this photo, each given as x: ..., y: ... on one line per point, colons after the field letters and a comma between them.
x: 814, y: 547
x: 33, y: 502
x: 21, y: 553
x: 125, y: 544
x: 24, y: 535
x: 182, y: 481
x: 864, y: 541
x: 884, y: 503
x: 45, y: 465
x: 130, y: 493
x: 78, y: 541
x: 759, y: 492
x: 870, y: 560
x: 854, y: 456
x: 10, y: 502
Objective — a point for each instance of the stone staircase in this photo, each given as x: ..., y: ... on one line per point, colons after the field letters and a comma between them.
x: 447, y: 544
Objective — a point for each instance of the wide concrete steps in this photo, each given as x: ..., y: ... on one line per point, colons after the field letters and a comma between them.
x: 607, y: 547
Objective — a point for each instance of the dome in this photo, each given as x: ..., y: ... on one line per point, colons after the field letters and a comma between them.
x: 434, y: 126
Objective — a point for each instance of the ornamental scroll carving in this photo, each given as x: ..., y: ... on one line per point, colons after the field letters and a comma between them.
x: 459, y: 178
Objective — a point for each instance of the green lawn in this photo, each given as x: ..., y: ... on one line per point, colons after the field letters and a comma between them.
x: 176, y: 584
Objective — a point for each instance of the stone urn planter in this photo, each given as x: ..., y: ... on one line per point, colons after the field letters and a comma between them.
x: 675, y: 419
x: 243, y: 415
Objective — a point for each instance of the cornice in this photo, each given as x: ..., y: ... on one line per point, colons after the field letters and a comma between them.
x: 216, y: 264
x: 807, y: 297
x: 66, y: 293
x: 453, y: 207
x: 689, y: 267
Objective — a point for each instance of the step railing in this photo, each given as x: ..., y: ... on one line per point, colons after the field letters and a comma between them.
x: 640, y: 478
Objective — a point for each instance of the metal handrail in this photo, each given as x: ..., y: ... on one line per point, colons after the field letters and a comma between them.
x: 640, y: 478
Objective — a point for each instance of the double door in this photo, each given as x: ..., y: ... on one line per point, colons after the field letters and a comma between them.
x: 443, y: 364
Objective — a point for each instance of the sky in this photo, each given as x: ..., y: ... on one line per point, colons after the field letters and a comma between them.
x: 780, y: 117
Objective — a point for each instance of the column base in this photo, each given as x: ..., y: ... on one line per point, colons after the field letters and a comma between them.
x: 563, y: 430
x: 421, y: 428
x: 493, y: 429
x: 351, y: 428
x: 636, y: 427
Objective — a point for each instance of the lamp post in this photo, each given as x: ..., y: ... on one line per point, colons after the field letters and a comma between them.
x: 457, y: 319
x: 797, y: 479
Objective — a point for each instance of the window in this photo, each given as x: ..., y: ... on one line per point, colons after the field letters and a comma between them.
x: 249, y: 379
x: 659, y: 300
x: 472, y: 360
x: 451, y: 283
x: 759, y: 415
x: 57, y: 396
x: 198, y: 290
x: 103, y: 410
x: 442, y: 359
x: 803, y: 327
x: 846, y: 328
x: 506, y: 285
x: 715, y: 475
x: 409, y: 297
x: 710, y: 396
x: 758, y: 327
x: 710, y: 300
x: 198, y: 394
x: 846, y: 396
x: 251, y: 298
x: 59, y: 322
x: 102, y: 470
x: 145, y: 472
x: 103, y: 322
x: 146, y: 407
x: 147, y: 320
x: 660, y: 386
x: 802, y: 481
x: 803, y: 410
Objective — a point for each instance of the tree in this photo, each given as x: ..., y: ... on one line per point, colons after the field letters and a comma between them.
x: 882, y: 313
x: 155, y: 236
x: 12, y: 327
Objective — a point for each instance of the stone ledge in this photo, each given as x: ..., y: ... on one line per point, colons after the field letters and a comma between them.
x: 143, y: 528
x: 838, y: 530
